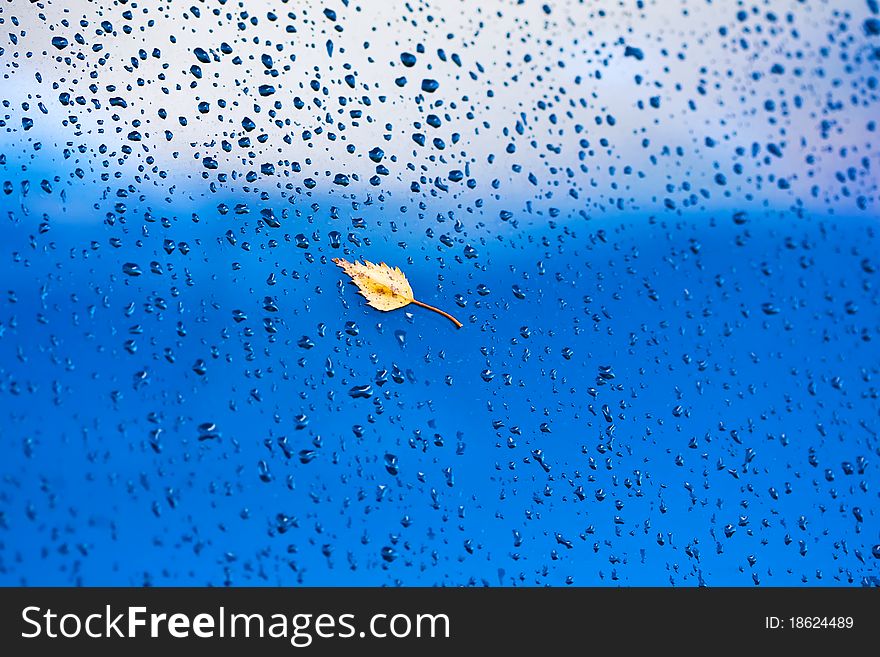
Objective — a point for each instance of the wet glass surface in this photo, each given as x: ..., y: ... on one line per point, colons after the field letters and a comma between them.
x: 657, y: 223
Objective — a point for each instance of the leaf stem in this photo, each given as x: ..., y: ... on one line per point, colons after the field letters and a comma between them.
x: 437, y: 310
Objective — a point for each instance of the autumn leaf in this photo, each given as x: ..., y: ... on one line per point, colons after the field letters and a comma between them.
x: 384, y: 288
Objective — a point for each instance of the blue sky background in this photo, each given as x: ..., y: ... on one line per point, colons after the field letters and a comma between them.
x: 665, y: 377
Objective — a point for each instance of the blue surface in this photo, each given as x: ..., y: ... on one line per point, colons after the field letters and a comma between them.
x: 723, y: 417
x: 675, y: 389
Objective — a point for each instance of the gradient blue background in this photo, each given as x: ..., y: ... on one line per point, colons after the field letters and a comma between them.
x: 738, y: 332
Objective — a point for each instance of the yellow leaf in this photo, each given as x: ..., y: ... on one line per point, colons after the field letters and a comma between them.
x: 384, y: 288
